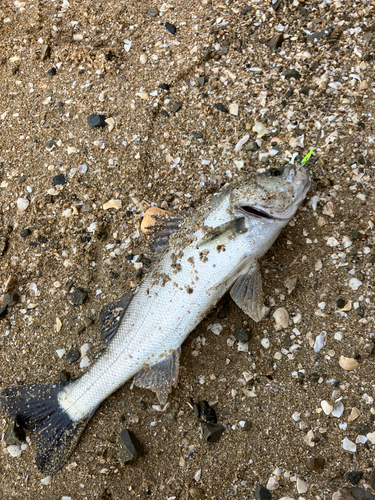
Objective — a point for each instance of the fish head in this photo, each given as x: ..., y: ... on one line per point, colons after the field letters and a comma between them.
x: 274, y: 195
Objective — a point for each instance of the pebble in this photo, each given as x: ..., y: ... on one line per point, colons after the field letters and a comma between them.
x: 201, y: 81
x: 11, y: 299
x: 326, y: 407
x: 164, y: 86
x: 176, y: 107
x: 196, y: 135
x: 354, y: 477
x: 14, y: 434
x: 22, y: 204
x: 348, y: 364
x: 95, y: 121
x: 261, y: 493
x: 170, y: 28
x: 340, y: 303
x: 221, y: 108
x: 143, y: 59
x: 291, y: 73
x: 252, y: 146
x: 212, y: 432
x: 46, y: 480
x: 316, y: 463
x: 281, y: 317
x: 206, y: 413
x: 45, y: 52
x: 24, y: 233
x: 245, y: 425
x: 64, y: 376
x: 14, y: 450
x: 131, y: 447
x: 3, y: 311
x: 241, y: 335
x: 153, y: 12
x: 272, y: 484
x: 52, y: 71
x: 50, y: 143
x: 260, y: 129
x: 275, y: 42
x: 355, y: 413
x: 354, y: 494
x: 301, y: 486
x: 349, y: 445
x: 318, y: 35
x: 59, y: 180
x: 372, y: 480
x: 73, y: 356
x: 233, y: 109
x: 79, y: 296
x: 117, y: 204
x: 197, y: 493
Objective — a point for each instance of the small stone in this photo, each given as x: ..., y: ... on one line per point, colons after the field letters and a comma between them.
x: 95, y: 121
x: 176, y: 107
x: 246, y: 425
x: 46, y: 481
x: 354, y: 477
x: 3, y: 311
x: 59, y: 180
x: 64, y: 376
x: 73, y: 356
x: 221, y: 108
x: 261, y: 493
x: 233, y: 109
x: 201, y: 81
x: 355, y: 494
x: 368, y: 36
x: 348, y: 364
x: 143, y: 59
x: 301, y: 486
x: 131, y: 447
x: 326, y: 407
x: 260, y: 129
x: 245, y: 10
x: 14, y: 434
x: 349, y: 445
x: 355, y: 413
x: 52, y: 71
x: 340, y: 303
x: 164, y: 86
x: 11, y: 299
x: 22, y: 204
x: 212, y: 432
x: 50, y: 143
x: 170, y: 28
x: 196, y: 135
x: 275, y: 42
x: 291, y: 73
x: 272, y: 483
x: 117, y: 204
x: 252, y: 146
x: 24, y: 233
x: 164, y: 113
x: 207, y: 413
x: 241, y: 335
x: 79, y: 296
x: 153, y: 12
x: 197, y: 493
x: 46, y: 52
x: 372, y: 480
x: 318, y: 35
x: 316, y: 463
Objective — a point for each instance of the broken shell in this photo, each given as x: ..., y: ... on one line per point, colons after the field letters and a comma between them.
x: 348, y: 364
x: 349, y: 445
x: 233, y: 109
x: 22, y: 204
x: 354, y: 284
x: 58, y: 324
x: 355, y: 413
x: 260, y: 129
x: 112, y: 204
x: 150, y: 218
x: 281, y: 317
x: 326, y: 407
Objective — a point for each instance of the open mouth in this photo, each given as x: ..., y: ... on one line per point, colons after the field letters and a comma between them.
x: 255, y: 212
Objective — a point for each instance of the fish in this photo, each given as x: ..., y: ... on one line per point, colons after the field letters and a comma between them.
x: 200, y: 257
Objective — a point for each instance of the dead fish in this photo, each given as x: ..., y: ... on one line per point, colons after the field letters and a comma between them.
x: 210, y: 253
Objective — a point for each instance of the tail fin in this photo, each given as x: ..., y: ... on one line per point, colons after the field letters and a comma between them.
x: 37, y: 409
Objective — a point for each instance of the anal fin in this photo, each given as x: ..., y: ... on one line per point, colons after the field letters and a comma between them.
x: 160, y: 378
x: 247, y: 293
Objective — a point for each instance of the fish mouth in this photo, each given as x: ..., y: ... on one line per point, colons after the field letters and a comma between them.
x: 256, y: 212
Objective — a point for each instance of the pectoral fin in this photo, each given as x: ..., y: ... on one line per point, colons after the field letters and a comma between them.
x: 247, y: 293
x: 162, y: 377
x: 224, y: 233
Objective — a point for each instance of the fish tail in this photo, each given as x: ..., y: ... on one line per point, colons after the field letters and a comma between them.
x: 37, y: 409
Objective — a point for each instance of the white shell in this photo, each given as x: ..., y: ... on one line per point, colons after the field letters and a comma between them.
x: 348, y: 364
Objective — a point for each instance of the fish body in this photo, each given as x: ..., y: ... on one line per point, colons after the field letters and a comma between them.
x: 215, y: 252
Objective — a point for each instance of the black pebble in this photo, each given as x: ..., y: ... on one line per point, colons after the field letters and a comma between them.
x: 24, y: 233
x: 131, y: 447
x: 340, y: 303
x: 146, y: 261
x: 170, y: 28
x: 52, y: 71
x: 207, y: 413
x: 73, y: 356
x: 42, y: 240
x: 59, y: 180
x: 201, y: 81
x: 94, y: 121
x: 363, y: 429
x: 3, y: 311
x: 354, y: 477
x: 241, y: 335
x: 130, y: 256
x: 79, y: 296
x: 261, y: 493
x: 113, y: 275
x: 63, y: 376
x: 212, y: 432
x: 220, y: 107
x: 314, y: 376
x: 11, y: 299
x: 291, y: 73
x: 49, y: 143
x: 164, y: 113
x: 164, y: 86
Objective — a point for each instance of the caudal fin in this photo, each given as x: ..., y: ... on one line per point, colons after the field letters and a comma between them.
x: 37, y: 409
